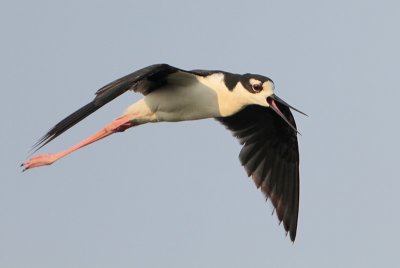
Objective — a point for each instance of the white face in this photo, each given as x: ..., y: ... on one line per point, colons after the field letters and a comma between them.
x: 261, y: 90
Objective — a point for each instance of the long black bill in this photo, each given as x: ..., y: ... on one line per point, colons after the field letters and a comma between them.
x: 276, y: 98
x: 271, y: 101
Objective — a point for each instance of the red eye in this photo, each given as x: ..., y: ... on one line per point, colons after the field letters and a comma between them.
x: 257, y: 87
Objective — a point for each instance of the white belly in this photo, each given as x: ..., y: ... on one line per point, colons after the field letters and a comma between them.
x: 190, y: 102
x: 183, y: 103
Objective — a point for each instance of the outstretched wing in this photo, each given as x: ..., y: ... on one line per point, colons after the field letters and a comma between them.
x: 143, y: 81
x: 270, y: 155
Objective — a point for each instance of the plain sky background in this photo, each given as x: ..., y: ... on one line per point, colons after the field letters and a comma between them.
x: 175, y: 195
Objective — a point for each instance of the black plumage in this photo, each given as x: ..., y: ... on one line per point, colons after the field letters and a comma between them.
x: 270, y: 156
x: 270, y: 152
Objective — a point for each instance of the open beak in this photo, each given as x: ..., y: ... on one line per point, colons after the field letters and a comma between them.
x: 272, y: 104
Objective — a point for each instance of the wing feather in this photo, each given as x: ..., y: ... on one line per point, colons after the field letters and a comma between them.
x: 143, y: 81
x: 270, y: 156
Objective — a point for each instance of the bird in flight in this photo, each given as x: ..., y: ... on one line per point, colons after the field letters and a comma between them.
x: 245, y: 104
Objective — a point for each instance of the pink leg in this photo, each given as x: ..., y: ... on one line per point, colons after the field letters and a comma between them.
x: 120, y: 124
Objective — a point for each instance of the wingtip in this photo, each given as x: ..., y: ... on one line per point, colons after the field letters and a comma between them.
x: 292, y: 235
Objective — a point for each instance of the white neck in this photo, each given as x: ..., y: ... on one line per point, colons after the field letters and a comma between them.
x: 207, y: 98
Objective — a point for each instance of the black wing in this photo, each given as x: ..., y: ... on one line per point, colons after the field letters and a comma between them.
x: 143, y: 81
x: 270, y: 155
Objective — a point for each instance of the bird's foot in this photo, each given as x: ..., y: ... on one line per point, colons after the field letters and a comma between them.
x: 38, y: 161
x: 120, y: 124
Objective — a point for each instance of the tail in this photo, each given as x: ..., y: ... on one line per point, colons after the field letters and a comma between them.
x: 66, y: 123
x: 107, y: 94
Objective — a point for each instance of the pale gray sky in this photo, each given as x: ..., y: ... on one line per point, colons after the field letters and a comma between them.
x: 175, y: 195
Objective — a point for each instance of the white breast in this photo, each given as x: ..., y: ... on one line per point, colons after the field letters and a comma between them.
x: 206, y: 98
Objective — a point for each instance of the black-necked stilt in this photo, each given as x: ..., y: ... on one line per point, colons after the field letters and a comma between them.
x: 245, y: 104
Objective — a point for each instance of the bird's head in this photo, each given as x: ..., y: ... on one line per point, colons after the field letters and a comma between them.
x: 262, y: 89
